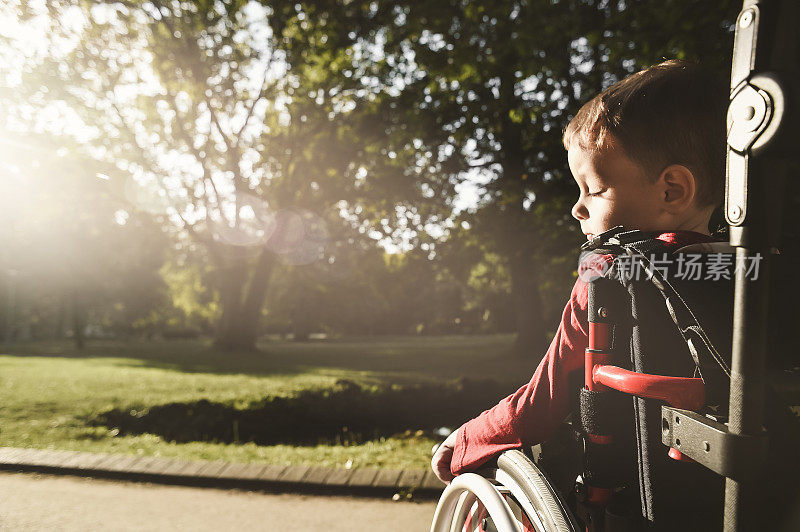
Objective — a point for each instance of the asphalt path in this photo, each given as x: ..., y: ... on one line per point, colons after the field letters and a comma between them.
x: 44, y: 502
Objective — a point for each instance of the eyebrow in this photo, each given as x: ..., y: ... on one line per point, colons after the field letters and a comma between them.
x: 592, y: 178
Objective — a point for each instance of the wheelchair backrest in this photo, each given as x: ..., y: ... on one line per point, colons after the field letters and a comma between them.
x: 657, y: 347
x: 700, y: 279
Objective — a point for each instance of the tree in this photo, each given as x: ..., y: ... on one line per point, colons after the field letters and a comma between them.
x: 215, y: 121
x: 485, y: 89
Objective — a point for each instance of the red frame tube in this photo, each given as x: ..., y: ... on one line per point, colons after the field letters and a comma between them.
x: 599, y: 335
x: 680, y: 392
x: 597, y: 353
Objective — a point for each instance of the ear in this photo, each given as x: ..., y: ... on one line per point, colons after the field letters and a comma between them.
x: 678, y: 188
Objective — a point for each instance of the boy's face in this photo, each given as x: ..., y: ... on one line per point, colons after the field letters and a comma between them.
x: 613, y: 191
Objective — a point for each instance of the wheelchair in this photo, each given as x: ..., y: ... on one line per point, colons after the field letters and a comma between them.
x: 588, y: 478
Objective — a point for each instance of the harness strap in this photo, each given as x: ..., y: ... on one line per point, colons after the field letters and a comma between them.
x: 692, y: 329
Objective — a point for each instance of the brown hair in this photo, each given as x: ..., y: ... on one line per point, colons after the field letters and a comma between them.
x: 671, y: 113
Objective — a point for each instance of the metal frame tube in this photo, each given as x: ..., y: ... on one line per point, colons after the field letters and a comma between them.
x: 748, y: 377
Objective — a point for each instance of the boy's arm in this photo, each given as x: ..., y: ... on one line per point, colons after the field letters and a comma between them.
x: 533, y: 412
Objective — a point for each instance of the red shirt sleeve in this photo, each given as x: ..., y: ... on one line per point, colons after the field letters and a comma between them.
x: 532, y: 413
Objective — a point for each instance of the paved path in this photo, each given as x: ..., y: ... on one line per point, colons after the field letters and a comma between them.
x: 307, y: 479
x: 45, y: 502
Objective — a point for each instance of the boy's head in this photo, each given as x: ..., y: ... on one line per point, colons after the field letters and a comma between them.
x: 649, y: 152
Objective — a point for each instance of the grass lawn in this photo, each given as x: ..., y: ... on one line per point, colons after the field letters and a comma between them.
x: 48, y: 390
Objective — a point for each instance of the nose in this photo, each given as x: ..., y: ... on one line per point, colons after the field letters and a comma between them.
x: 579, y: 211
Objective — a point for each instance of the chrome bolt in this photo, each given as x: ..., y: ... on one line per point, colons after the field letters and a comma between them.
x: 602, y: 312
x: 748, y: 113
x: 747, y: 18
x: 735, y: 212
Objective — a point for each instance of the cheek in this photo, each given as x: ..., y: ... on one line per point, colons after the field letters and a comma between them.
x: 639, y: 212
x: 604, y: 211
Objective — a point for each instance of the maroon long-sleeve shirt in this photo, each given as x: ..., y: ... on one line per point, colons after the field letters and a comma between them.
x: 532, y: 413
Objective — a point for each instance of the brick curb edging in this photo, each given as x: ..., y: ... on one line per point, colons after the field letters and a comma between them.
x: 366, y: 481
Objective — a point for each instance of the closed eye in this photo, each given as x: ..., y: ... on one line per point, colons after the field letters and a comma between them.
x: 595, y: 193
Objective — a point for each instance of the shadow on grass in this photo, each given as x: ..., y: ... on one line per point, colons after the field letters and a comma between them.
x: 345, y: 413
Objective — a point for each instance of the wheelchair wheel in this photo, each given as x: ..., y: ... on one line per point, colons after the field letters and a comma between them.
x: 534, y: 494
x: 514, y: 497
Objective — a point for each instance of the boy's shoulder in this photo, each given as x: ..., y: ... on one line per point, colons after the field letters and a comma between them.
x: 600, y: 254
x: 618, y: 239
x: 715, y: 246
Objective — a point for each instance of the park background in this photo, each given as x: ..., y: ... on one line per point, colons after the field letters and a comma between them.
x: 294, y: 232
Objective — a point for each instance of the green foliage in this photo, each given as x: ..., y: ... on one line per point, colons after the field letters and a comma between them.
x: 367, y: 292
x: 469, y: 90
x: 190, y: 294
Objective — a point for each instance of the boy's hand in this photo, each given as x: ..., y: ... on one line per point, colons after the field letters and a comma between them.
x: 440, y: 463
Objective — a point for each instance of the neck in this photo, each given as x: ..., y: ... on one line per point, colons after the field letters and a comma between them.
x: 698, y: 222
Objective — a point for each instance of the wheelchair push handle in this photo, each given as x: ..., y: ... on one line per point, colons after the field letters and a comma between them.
x: 680, y: 392
x: 686, y: 393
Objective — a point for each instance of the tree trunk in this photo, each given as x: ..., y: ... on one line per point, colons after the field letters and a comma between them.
x: 242, y: 301
x: 78, y: 322
x: 61, y: 319
x: 230, y: 282
x: 11, y: 309
x: 302, y: 320
x: 531, y: 329
x: 255, y: 296
x: 524, y: 273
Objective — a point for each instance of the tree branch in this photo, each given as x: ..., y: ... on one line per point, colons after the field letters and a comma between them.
x: 202, y: 157
x: 260, y: 95
x: 486, y: 164
x: 216, y: 123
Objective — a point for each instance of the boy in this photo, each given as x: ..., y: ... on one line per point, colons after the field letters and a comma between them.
x: 647, y: 153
